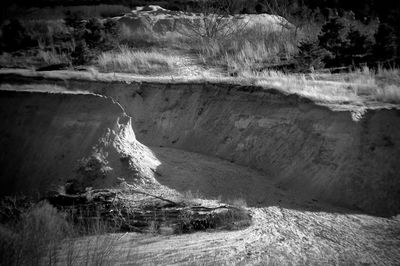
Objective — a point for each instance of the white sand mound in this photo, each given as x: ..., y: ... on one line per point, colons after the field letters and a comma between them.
x: 157, y: 19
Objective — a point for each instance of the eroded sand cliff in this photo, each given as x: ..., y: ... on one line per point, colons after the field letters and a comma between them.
x: 297, y: 145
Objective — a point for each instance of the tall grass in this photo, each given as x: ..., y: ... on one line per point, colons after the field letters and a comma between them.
x: 36, y: 236
x: 138, y: 62
x: 52, y: 57
x: 42, y: 235
x: 358, y: 86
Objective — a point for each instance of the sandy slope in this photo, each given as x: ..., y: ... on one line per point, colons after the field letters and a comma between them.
x: 279, y: 236
x: 290, y: 231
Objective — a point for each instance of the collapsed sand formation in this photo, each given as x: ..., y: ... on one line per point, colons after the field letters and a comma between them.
x: 299, y: 146
x: 48, y: 139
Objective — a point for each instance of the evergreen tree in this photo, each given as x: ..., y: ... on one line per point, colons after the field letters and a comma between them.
x: 357, y: 47
x: 385, y: 47
x: 332, y: 39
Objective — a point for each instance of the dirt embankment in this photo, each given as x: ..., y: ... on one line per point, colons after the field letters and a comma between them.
x: 298, y: 145
x: 49, y: 138
x: 303, y: 147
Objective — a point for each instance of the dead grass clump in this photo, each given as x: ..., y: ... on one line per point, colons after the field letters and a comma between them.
x: 138, y: 62
x: 389, y: 93
x: 53, y: 58
x: 42, y: 235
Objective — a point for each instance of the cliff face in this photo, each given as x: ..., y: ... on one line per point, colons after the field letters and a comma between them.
x: 301, y: 146
x: 298, y: 145
x: 49, y: 138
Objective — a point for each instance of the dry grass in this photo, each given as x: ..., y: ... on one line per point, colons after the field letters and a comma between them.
x: 42, y: 235
x: 52, y: 57
x: 252, y: 49
x: 355, y: 87
x: 36, y: 236
x: 33, y: 59
x: 138, y: 62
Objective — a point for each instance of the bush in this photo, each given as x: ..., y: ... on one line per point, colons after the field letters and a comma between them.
x: 36, y: 236
x: 81, y: 55
x: 93, y: 33
x: 92, y: 37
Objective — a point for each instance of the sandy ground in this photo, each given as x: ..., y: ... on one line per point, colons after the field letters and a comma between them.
x: 287, y: 231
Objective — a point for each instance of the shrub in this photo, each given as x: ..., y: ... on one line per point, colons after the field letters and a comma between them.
x: 93, y: 33
x: 36, y: 236
x: 81, y: 55
x: 92, y: 36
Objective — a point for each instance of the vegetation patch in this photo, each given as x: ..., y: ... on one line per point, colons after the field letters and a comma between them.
x: 138, y: 62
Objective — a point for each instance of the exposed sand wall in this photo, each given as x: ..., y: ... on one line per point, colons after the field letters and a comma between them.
x: 311, y: 149
x: 301, y: 146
